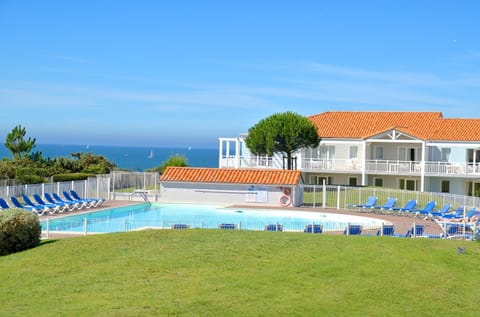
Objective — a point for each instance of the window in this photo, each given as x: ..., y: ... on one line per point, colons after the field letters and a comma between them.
x: 378, y: 182
x: 473, y: 156
x: 352, y: 181
x: 408, y: 184
x: 445, y: 186
x: 353, y: 152
x: 379, y: 153
x: 445, y: 154
x: 473, y: 189
x: 327, y: 152
x: 318, y: 180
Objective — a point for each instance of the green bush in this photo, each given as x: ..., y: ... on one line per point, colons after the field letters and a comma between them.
x: 19, y: 230
x: 71, y: 177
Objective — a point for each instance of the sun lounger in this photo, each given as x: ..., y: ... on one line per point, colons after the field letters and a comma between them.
x: 70, y: 206
x: 39, y: 210
x: 370, y: 203
x: 51, y: 208
x: 407, y: 208
x: 96, y: 202
x: 227, y: 226
x: 426, y: 210
x: 79, y: 205
x: 441, y: 212
x: 86, y: 203
x: 389, y: 204
x: 180, y: 226
x: 55, y: 207
x: 316, y: 229
x: 353, y: 230
x: 386, y: 230
x: 273, y: 227
x: 3, y: 204
x: 415, y: 231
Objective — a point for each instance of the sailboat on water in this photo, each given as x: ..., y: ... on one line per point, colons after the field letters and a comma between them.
x: 151, y: 155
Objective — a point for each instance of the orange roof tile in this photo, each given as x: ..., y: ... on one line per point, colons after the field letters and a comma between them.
x: 230, y: 175
x: 423, y: 125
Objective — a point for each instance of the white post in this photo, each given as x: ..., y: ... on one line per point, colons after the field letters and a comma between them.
x: 237, y: 153
x: 85, y: 226
x: 338, y: 197
x: 422, y: 168
x: 324, y: 194
x: 364, y: 163
x: 48, y: 227
x: 220, y: 151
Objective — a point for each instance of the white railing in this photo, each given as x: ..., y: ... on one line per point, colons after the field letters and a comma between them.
x: 231, y: 161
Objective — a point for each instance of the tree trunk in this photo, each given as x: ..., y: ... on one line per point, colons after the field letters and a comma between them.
x: 289, y: 161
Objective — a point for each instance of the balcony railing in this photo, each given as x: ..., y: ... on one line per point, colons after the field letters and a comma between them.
x: 245, y: 162
x: 384, y: 167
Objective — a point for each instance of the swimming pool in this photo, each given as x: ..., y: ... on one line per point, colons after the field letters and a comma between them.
x: 160, y: 215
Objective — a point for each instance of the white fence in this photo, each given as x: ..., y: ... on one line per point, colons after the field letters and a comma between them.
x: 108, y: 186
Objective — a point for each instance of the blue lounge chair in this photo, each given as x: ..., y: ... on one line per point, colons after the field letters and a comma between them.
x: 426, y: 210
x: 415, y: 231
x: 84, y: 202
x: 407, y: 208
x: 441, y: 212
x: 79, y: 205
x: 316, y: 229
x: 180, y: 226
x: 273, y: 227
x: 452, y: 230
x: 353, y: 230
x: 227, y: 226
x: 389, y: 204
x: 50, y: 208
x: 55, y: 207
x: 388, y: 230
x: 3, y: 204
x: 370, y: 203
x: 95, y: 202
x: 39, y: 210
x: 70, y: 206
x: 458, y: 213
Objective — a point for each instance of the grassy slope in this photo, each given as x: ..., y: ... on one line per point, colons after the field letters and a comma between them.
x: 213, y: 272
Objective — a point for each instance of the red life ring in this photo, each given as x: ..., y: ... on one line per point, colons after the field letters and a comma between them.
x: 285, y: 201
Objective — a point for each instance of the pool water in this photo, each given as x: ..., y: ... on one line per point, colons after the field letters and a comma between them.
x: 159, y: 215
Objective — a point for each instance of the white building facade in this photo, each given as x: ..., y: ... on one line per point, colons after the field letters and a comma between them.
x: 419, y: 151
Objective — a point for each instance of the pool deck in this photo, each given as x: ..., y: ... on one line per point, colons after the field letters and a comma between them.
x: 402, y: 223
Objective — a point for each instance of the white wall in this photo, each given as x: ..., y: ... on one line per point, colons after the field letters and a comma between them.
x: 225, y: 194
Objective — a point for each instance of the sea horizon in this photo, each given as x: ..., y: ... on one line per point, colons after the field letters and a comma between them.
x: 131, y: 157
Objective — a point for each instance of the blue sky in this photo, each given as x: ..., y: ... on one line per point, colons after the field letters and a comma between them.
x: 183, y: 73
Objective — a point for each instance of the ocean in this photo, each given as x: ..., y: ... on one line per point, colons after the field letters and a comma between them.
x: 131, y: 158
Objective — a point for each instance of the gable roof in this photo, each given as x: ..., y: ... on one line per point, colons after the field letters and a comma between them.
x: 422, y: 125
x: 231, y: 175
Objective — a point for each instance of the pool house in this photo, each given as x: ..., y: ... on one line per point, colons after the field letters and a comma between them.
x: 268, y: 187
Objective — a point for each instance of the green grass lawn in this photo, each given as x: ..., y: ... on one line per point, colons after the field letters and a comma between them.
x: 241, y: 273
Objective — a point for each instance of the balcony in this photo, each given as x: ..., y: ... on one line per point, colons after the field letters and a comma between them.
x: 233, y: 161
x: 383, y: 167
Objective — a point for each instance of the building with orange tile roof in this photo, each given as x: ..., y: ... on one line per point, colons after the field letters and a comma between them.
x: 404, y: 150
x: 230, y: 186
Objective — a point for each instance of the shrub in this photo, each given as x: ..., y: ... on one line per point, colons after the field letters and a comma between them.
x: 71, y: 177
x: 19, y: 230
